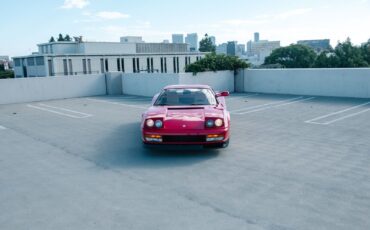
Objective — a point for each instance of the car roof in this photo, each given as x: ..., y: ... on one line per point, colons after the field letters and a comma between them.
x: 187, y: 87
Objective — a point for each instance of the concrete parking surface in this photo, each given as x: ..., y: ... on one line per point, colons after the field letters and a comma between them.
x: 294, y: 162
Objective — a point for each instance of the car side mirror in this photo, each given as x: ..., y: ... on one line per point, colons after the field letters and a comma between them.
x: 223, y: 94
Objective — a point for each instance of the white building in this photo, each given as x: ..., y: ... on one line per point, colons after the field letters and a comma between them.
x: 131, y: 39
x: 177, y: 38
x: 74, y: 58
x: 192, y: 41
x: 258, y: 50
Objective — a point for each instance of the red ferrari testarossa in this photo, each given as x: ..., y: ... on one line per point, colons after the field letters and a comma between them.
x: 187, y: 115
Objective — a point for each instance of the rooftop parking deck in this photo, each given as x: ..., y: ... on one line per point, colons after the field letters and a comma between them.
x: 294, y: 162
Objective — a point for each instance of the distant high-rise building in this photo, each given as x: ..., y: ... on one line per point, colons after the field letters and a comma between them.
x: 231, y: 49
x: 240, y: 50
x: 317, y: 45
x: 213, y: 40
x: 256, y: 37
x: 221, y: 49
x: 192, y: 40
x: 177, y: 38
x: 258, y: 50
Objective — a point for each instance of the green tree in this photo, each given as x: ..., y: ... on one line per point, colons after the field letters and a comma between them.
x: 326, y: 59
x: 349, y: 55
x: 60, y: 38
x: 206, y: 45
x: 67, y: 38
x: 293, y: 56
x: 345, y: 55
x: 365, y: 50
x: 52, y: 39
x: 216, y: 62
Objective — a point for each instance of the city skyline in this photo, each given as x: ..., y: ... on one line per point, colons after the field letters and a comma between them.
x: 30, y: 23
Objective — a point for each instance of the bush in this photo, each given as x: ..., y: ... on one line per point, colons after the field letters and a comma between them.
x: 216, y: 62
x: 6, y: 74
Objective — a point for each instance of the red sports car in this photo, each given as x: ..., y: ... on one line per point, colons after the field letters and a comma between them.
x: 187, y: 115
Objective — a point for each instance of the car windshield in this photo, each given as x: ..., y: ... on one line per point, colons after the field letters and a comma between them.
x: 179, y: 97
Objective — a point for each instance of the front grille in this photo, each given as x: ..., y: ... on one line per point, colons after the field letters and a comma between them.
x: 198, y: 138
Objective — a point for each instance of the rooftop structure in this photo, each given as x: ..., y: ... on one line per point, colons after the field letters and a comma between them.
x: 131, y: 55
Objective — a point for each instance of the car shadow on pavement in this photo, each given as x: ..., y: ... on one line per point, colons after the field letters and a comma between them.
x: 123, y: 148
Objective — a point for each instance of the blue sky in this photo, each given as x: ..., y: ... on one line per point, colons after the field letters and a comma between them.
x: 26, y: 23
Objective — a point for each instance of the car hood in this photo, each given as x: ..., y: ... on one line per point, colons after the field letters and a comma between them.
x: 184, y: 117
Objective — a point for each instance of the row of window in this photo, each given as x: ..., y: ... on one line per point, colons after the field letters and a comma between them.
x: 68, y: 66
x: 31, y: 61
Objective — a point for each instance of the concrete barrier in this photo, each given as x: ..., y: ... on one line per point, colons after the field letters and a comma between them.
x: 47, y: 88
x: 219, y: 81
x: 147, y: 84
x: 316, y: 82
x: 150, y: 84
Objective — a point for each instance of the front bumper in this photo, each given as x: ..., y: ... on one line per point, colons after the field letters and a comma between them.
x: 190, y: 137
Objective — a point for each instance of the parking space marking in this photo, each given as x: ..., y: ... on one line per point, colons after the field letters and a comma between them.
x: 58, y: 110
x: 117, y: 103
x: 235, y: 97
x: 317, y: 119
x: 2, y: 127
x: 258, y: 108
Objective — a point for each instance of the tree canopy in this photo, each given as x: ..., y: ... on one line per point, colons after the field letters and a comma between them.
x: 216, y: 62
x: 61, y: 38
x: 206, y: 45
x: 293, y: 56
x: 344, y: 55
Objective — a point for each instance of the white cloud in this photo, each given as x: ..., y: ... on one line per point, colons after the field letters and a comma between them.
x: 69, y: 4
x: 110, y: 15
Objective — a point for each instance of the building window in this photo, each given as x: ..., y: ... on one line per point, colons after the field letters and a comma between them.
x: 89, y: 65
x: 106, y: 65
x: 46, y: 49
x: 101, y: 65
x: 176, y: 65
x: 70, y: 67
x: 40, y: 61
x: 123, y: 64
x: 65, y: 68
x: 162, y: 65
x: 118, y: 64
x: 84, y: 68
x: 17, y: 62
x: 134, y: 65
x: 138, y: 65
x: 150, y: 65
x: 30, y: 61
x: 50, y: 66
x: 165, y: 64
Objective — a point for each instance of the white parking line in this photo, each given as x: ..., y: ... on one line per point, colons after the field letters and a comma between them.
x: 2, y: 127
x: 264, y: 105
x: 53, y: 109
x: 117, y: 103
x: 316, y: 120
x: 257, y: 108
x: 235, y: 97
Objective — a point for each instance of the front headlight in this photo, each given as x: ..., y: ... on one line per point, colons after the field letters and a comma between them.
x: 149, y: 123
x: 218, y: 122
x: 158, y: 124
